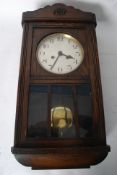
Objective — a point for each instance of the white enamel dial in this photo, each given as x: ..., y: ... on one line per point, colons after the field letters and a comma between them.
x: 60, y: 53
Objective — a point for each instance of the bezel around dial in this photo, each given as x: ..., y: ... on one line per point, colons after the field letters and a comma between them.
x: 61, y: 70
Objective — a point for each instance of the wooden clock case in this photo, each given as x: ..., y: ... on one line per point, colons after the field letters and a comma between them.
x: 59, y: 153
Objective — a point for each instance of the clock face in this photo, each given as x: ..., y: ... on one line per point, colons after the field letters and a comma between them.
x: 60, y: 53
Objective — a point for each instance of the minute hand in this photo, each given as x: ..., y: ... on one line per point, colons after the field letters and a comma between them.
x: 55, y: 62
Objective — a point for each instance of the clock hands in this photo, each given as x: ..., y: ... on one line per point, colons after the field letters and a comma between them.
x: 67, y: 56
x: 60, y: 53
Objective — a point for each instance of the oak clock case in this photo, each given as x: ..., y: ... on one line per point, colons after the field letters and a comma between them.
x: 59, y: 116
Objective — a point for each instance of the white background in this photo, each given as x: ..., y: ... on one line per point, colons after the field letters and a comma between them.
x: 10, y: 44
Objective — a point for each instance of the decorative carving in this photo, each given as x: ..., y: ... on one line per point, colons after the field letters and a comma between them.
x: 56, y: 12
x: 60, y: 11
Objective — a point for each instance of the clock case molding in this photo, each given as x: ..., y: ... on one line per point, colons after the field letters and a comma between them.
x: 70, y: 153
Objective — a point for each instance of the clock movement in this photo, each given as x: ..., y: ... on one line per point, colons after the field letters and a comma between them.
x: 59, y: 116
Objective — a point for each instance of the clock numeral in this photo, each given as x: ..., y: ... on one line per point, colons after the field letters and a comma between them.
x: 60, y: 69
x: 51, y: 41
x: 78, y: 53
x: 76, y: 61
x: 43, y: 53
x: 60, y: 38
x: 69, y: 66
x: 45, y: 46
x: 44, y: 61
x: 75, y: 46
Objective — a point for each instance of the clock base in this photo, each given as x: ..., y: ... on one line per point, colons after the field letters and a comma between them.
x: 60, y: 158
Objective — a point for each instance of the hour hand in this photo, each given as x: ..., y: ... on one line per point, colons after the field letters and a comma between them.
x: 69, y: 57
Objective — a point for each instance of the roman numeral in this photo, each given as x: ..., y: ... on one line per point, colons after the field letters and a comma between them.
x: 59, y: 38
x: 51, y: 40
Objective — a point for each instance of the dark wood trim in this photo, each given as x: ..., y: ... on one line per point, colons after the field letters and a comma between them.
x: 82, y: 157
x: 18, y: 122
x: 23, y: 87
x: 59, y: 12
x: 96, y: 85
x: 57, y: 81
x: 76, y: 121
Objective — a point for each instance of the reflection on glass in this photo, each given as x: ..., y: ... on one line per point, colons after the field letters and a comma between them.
x: 84, y: 109
x: 62, y: 110
x: 37, y: 114
x: 54, y: 108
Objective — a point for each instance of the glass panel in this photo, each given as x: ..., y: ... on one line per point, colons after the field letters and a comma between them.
x: 53, y: 110
x: 62, y: 111
x: 38, y: 111
x: 84, y: 105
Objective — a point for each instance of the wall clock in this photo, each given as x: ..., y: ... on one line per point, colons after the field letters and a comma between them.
x: 59, y: 116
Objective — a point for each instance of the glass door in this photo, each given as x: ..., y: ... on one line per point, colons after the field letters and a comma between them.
x: 60, y: 111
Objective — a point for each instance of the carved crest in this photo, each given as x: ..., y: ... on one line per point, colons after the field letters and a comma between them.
x: 60, y: 11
